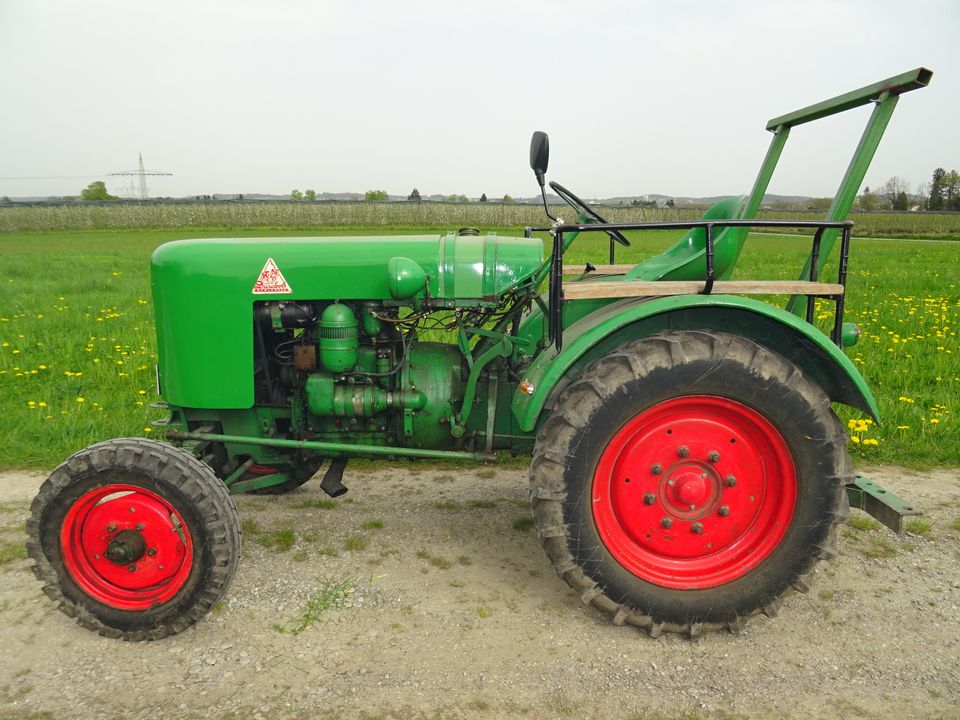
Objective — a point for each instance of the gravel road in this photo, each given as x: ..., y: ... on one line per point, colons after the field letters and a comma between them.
x: 451, y: 610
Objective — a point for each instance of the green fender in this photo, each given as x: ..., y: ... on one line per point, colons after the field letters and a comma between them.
x: 604, y: 329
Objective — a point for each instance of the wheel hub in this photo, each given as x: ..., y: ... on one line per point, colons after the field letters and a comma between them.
x: 664, y: 502
x: 126, y: 547
x: 690, y: 489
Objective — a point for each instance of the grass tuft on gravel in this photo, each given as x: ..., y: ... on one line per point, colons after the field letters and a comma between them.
x: 878, y: 548
x: 12, y: 551
x: 918, y: 526
x: 320, y: 504
x: 523, y: 524
x: 332, y: 595
x: 355, y: 542
x: 280, y: 539
x: 863, y: 522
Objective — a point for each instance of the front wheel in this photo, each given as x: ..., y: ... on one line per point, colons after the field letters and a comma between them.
x: 688, y: 480
x: 134, y: 538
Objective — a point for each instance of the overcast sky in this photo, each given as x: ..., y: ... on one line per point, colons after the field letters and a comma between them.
x: 638, y: 97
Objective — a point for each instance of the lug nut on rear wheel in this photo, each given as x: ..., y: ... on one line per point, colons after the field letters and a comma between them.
x: 649, y: 499
x: 683, y: 451
x: 730, y: 481
x: 723, y: 511
x: 656, y: 469
x: 714, y: 456
x: 697, y: 528
x: 666, y: 523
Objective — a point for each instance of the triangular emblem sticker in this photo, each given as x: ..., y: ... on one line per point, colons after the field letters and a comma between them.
x: 271, y: 280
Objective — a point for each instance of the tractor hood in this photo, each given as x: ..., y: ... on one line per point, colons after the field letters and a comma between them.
x: 204, y: 292
x: 455, y: 268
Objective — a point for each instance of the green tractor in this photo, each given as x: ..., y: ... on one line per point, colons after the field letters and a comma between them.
x: 687, y: 469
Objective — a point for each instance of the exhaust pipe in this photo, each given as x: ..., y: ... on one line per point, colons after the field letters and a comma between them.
x: 332, y: 483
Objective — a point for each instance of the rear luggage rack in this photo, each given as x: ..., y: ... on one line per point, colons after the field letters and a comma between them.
x: 811, y: 288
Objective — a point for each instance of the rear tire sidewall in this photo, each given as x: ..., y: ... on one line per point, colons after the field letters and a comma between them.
x: 796, y: 419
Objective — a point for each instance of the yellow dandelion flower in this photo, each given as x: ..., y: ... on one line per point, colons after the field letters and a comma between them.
x: 905, y: 399
x: 41, y: 404
x: 903, y: 427
x: 871, y: 441
x: 148, y: 430
x: 81, y: 399
x: 934, y: 421
x: 855, y: 439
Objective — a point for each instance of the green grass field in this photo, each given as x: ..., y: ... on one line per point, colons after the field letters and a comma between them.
x: 77, y: 348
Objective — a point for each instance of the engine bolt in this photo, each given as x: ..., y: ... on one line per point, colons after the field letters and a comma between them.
x: 697, y: 528
x: 111, y: 528
x: 666, y: 523
x: 153, y: 551
x: 714, y: 456
x: 730, y: 481
x: 683, y: 451
x: 723, y: 511
x: 656, y: 469
x: 649, y: 499
x: 131, y: 568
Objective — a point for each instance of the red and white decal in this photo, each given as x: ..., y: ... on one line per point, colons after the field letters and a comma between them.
x: 271, y: 280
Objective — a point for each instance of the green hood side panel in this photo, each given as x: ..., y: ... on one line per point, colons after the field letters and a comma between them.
x: 203, y: 294
x: 603, y: 330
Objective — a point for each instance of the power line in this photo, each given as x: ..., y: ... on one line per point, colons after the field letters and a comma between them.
x: 141, y: 176
x: 48, y: 177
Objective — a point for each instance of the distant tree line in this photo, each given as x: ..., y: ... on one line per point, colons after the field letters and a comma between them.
x: 941, y: 194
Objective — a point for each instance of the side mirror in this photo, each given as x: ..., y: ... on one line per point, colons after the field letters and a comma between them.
x: 539, y: 154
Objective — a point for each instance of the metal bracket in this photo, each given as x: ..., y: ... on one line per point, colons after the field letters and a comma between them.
x: 882, y: 504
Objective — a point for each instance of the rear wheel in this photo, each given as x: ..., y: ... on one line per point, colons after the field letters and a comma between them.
x: 134, y: 538
x: 688, y: 480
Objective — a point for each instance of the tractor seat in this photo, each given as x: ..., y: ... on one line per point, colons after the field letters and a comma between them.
x: 686, y: 260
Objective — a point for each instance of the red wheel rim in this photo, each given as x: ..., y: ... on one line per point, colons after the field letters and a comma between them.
x: 126, y: 547
x: 694, y: 492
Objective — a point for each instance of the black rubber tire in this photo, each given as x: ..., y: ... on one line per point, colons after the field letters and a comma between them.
x: 181, y: 480
x: 639, y: 374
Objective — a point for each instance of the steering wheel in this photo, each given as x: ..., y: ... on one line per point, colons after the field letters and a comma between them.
x: 577, y: 204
